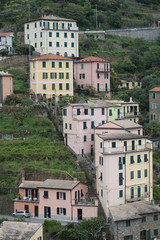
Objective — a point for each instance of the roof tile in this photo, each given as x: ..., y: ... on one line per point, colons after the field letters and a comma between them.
x: 92, y: 59
x: 156, y: 89
x: 51, y: 56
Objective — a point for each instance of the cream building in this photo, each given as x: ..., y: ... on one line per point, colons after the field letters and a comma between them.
x: 51, y: 76
x: 51, y: 34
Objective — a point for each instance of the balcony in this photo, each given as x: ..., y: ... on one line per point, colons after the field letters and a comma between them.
x: 26, y: 199
x: 107, y: 150
x: 102, y: 70
x: 87, y: 201
x: 60, y: 28
x: 81, y: 117
x: 130, y: 114
x: 137, y: 198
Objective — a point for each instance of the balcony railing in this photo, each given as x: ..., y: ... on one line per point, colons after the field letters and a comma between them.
x: 86, y: 201
x: 125, y: 149
x: 26, y: 199
x: 137, y: 198
x: 130, y: 114
x: 102, y: 70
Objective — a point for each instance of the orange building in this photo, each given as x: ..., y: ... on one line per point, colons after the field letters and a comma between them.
x: 6, y: 86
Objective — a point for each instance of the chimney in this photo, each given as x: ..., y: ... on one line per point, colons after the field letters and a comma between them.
x: 23, y: 175
x: 131, y: 99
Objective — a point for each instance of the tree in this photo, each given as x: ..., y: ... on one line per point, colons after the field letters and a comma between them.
x: 115, y: 81
x: 24, y: 49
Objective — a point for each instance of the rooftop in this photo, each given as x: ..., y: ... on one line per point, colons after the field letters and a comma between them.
x: 51, y: 18
x: 92, y: 59
x: 18, y: 230
x: 51, y: 56
x: 133, y: 210
x: 156, y: 89
x: 96, y: 104
x: 5, y: 74
x: 5, y: 34
x: 59, y: 184
x: 30, y: 184
x: 127, y: 124
x: 120, y: 136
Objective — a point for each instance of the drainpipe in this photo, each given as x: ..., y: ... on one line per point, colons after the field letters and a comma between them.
x: 71, y: 207
x: 117, y: 230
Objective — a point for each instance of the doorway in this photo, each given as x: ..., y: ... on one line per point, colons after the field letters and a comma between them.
x: 66, y: 139
x: 79, y: 212
x: 36, y: 211
x: 143, y: 235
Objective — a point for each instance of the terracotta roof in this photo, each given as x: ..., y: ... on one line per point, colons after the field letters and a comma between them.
x: 51, y: 56
x: 92, y: 59
x: 156, y: 89
x: 5, y: 34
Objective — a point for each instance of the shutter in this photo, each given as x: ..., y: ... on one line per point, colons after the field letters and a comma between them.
x: 124, y: 160
x: 57, y: 211
x: 64, y: 196
x: 64, y: 211
x: 57, y: 195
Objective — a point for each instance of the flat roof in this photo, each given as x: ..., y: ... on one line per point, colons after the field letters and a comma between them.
x: 135, y: 210
x: 18, y: 230
x: 119, y: 136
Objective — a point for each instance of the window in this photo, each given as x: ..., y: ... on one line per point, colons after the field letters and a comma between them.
x: 132, y: 192
x: 92, y: 124
x: 53, y: 75
x: 138, y: 158
x: 84, y: 125
x: 65, y: 35
x: 101, y: 161
x: 61, y: 75
x: 120, y: 163
x: 84, y: 138
x: 102, y: 111
x: 86, y: 111
x: 57, y: 34
x: 27, y: 26
x: 154, y: 95
x: 131, y: 175
x: 35, y: 45
x: 82, y: 66
x: 72, y: 44
x: 41, y: 34
x: 61, y: 211
x: 128, y: 223
x: 106, y: 87
x: 45, y: 75
x: 39, y: 238
x: 67, y: 64
x: 57, y: 44
x: 64, y: 112
x: 43, y: 64
x: 60, y: 86
x: 65, y: 44
x: 139, y: 174
x: 65, y: 125
x: 50, y: 44
x: 67, y: 75
x: 70, y: 126
x: 44, y: 86
x: 101, y: 176
x: 144, y: 219
x: 120, y: 193
x: 131, y: 159
x: 145, y: 158
x: 139, y: 142
x: 45, y: 195
x: 78, y: 111
x: 50, y: 34
x: 40, y: 24
x: 139, y: 132
x: 35, y: 35
x: 146, y: 188
x: 139, y: 191
x: 27, y: 36
x: 92, y: 111
x: 113, y: 144
x: 98, y: 75
x: 155, y: 231
x: 156, y: 217
x: 103, y: 122
x: 53, y: 64
x: 101, y: 144
x: 120, y: 179
x: 60, y: 64
x: 67, y: 86
x: 72, y: 35
x: 53, y: 86
x: 145, y: 173
x: 61, y: 195
x: 92, y: 137
x: 101, y: 192
x: 154, y: 106
x: 153, y: 117
x: 110, y: 112
x: 35, y: 25
x: 62, y: 25
x: 129, y: 237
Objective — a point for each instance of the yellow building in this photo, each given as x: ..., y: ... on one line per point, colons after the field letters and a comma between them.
x: 51, y: 76
x: 130, y: 83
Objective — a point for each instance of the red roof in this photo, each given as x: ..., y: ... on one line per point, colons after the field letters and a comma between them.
x: 51, y: 56
x: 5, y: 34
x: 156, y: 89
x: 92, y: 59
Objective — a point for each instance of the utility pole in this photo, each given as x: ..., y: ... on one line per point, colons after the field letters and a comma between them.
x: 96, y: 16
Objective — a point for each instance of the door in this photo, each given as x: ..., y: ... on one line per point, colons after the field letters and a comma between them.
x: 91, y: 150
x: 66, y: 139
x: 36, y: 211
x: 79, y: 212
x: 133, y: 145
x: 97, y: 87
x: 47, y: 212
x: 82, y: 152
x: 143, y: 235
x: 149, y: 234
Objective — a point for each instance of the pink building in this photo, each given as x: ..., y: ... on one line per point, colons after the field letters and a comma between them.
x: 79, y: 121
x: 56, y: 199
x: 6, y: 86
x: 93, y: 71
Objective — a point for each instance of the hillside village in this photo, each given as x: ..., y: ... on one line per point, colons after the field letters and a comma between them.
x: 79, y: 134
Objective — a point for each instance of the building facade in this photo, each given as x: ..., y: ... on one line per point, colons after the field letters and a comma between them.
x: 125, y: 169
x: 93, y: 71
x: 56, y: 199
x: 51, y: 76
x: 51, y: 34
x: 154, y: 104
x: 6, y: 41
x: 6, y: 86
x: 130, y: 83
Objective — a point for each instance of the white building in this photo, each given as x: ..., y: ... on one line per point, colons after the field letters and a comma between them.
x: 51, y: 34
x: 6, y: 41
